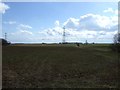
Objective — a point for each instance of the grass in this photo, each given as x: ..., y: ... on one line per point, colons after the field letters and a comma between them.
x: 55, y: 66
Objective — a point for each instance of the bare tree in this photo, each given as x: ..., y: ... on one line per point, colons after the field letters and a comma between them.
x: 116, y: 45
x: 116, y: 38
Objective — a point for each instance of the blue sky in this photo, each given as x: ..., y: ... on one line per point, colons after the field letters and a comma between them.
x: 38, y: 22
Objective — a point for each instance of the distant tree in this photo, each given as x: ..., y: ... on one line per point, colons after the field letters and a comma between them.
x: 116, y: 38
x: 4, y: 42
x: 116, y: 43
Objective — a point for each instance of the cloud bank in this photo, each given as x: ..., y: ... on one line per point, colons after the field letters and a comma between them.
x: 91, y: 27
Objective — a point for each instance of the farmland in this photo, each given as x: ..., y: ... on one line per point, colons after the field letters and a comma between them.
x: 59, y: 66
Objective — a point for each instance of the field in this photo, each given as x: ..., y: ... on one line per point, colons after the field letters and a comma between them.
x: 59, y: 66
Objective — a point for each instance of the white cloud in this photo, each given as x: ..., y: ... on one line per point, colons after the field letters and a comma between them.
x: 92, y: 22
x: 57, y: 23
x: 3, y: 8
x: 51, y: 32
x: 116, y: 12
x: 98, y: 22
x: 26, y: 32
x: 102, y: 32
x: 21, y: 36
x: 106, y: 35
x: 24, y: 27
x: 10, y: 22
x: 72, y: 23
x: 110, y: 10
x: 22, y: 32
x: 103, y: 21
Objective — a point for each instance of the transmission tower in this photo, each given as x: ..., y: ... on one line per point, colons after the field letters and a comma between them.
x: 5, y: 36
x: 64, y: 34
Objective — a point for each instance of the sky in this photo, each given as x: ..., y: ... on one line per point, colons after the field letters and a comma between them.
x: 38, y: 22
